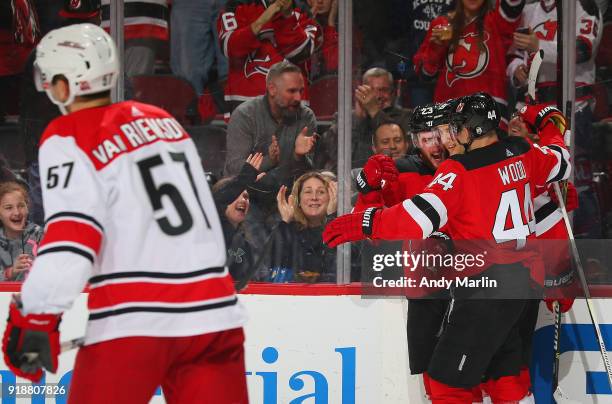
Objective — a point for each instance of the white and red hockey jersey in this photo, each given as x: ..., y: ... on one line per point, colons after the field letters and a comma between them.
x: 471, y: 68
x: 250, y: 56
x: 541, y: 18
x: 128, y: 209
x: 143, y: 18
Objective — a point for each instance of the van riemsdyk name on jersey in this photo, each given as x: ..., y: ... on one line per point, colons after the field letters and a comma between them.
x: 137, y: 133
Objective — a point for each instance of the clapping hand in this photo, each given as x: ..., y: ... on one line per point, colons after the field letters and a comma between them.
x: 332, y: 189
x: 304, y: 143
x: 274, y: 151
x: 255, y: 160
x: 285, y: 208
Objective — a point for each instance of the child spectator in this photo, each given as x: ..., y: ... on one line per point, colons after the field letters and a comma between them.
x: 19, y: 238
x: 231, y: 197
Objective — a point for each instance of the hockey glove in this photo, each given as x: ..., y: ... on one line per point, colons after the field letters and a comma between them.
x: 565, y: 304
x: 571, y: 197
x: 539, y: 115
x: 350, y: 227
x: 31, y: 343
x: 377, y: 170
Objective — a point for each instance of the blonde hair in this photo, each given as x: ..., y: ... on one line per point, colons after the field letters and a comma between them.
x: 14, y: 186
x: 298, y: 185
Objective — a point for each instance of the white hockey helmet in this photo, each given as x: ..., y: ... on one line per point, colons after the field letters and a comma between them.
x: 84, y: 54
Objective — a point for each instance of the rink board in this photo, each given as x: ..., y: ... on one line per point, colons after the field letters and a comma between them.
x: 342, y: 349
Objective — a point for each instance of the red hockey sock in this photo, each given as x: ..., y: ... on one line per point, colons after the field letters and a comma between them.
x: 426, y: 381
x: 506, y: 390
x: 444, y: 394
x: 476, y: 394
x: 525, y: 378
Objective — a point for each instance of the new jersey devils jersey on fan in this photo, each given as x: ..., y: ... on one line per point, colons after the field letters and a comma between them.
x: 471, y: 68
x: 543, y: 21
x: 250, y: 56
x: 143, y: 18
x: 484, y: 198
x: 128, y: 208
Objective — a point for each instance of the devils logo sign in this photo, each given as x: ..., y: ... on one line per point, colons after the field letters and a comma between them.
x: 467, y: 60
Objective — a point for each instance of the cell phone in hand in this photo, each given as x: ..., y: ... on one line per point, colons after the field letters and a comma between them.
x: 524, y: 30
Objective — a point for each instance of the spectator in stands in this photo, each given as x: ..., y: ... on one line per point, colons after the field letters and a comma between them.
x: 325, y: 59
x: 374, y: 104
x: 19, y: 33
x: 390, y: 139
x: 145, y: 33
x: 255, y: 35
x: 275, y: 124
x: 298, y: 248
x: 36, y: 110
x: 231, y: 197
x: 466, y: 50
x: 194, y: 45
x: 409, y: 24
x: 19, y: 237
x: 540, y: 20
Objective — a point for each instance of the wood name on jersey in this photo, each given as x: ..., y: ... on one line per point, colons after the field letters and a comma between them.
x: 135, y: 134
x: 513, y: 172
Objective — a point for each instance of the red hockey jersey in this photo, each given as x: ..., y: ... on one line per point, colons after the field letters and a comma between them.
x: 541, y: 18
x: 143, y: 18
x: 250, y: 56
x: 485, y: 199
x: 128, y: 209
x: 469, y: 69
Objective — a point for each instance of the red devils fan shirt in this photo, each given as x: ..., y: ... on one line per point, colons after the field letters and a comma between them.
x: 250, y: 56
x: 471, y: 68
x: 128, y: 209
x: 143, y: 18
x: 484, y: 197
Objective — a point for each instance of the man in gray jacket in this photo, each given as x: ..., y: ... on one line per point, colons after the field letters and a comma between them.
x: 275, y: 124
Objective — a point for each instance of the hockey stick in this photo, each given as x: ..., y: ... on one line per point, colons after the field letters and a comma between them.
x: 584, y: 284
x: 532, y: 79
x: 64, y: 347
x: 557, y: 393
x: 556, y: 346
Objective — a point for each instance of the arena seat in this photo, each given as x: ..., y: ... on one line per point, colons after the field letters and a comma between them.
x: 172, y: 93
x: 210, y: 140
x: 324, y: 97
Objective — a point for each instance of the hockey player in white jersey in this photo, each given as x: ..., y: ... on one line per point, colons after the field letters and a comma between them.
x: 127, y: 209
x: 540, y: 18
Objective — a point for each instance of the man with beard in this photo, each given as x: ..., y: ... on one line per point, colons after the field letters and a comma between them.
x: 275, y: 124
x: 405, y: 178
x: 472, y: 196
x: 414, y: 171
